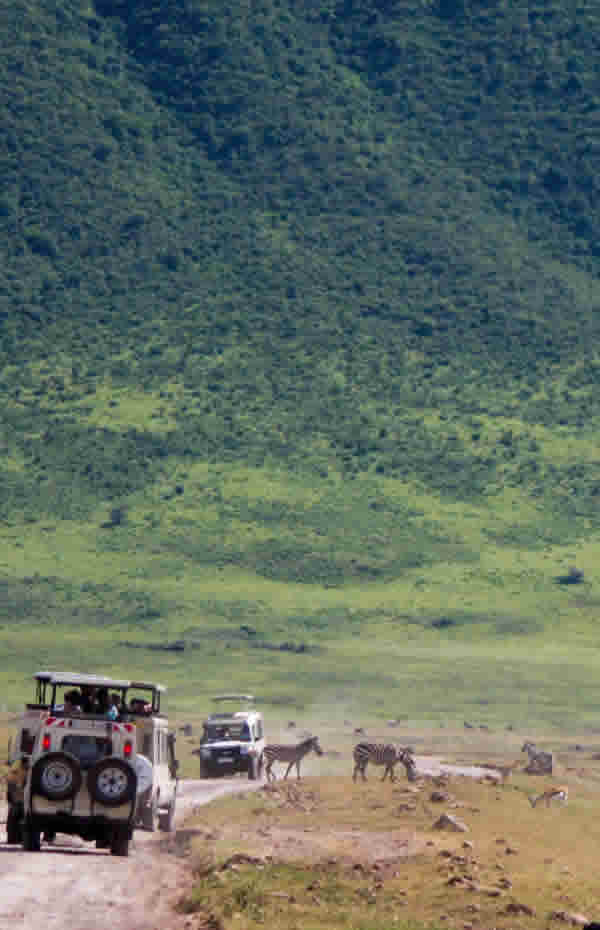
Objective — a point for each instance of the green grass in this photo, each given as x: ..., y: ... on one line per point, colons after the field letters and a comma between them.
x: 330, y: 852
x: 297, y: 352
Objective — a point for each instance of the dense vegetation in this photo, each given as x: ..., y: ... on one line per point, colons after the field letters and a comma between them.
x: 299, y: 316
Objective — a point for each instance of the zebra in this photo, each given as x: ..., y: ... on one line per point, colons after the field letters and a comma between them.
x: 383, y: 754
x: 276, y: 752
x: 540, y: 763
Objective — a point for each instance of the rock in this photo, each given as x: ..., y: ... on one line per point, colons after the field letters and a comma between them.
x: 242, y: 859
x: 515, y: 907
x: 569, y: 917
x: 448, y: 822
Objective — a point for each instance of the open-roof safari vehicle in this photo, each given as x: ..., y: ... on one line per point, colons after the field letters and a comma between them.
x: 232, y: 741
x: 101, y: 761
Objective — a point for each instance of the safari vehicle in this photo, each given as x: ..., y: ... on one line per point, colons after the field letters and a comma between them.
x: 156, y: 763
x: 232, y: 741
x: 87, y: 773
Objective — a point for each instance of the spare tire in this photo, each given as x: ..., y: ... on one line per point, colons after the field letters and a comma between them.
x: 56, y: 776
x: 112, y: 782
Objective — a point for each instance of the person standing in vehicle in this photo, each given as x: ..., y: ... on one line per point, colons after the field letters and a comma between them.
x: 88, y: 695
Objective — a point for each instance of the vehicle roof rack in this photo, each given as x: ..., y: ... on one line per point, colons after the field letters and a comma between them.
x: 148, y: 686
x: 101, y: 681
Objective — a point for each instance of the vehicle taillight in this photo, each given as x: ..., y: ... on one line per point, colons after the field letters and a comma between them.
x: 46, y: 742
x: 129, y: 727
x: 50, y: 721
x: 127, y: 749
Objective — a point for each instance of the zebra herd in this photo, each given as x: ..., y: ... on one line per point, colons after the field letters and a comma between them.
x: 385, y: 754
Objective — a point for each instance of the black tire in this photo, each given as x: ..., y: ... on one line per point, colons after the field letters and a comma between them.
x: 205, y: 771
x: 49, y: 836
x: 56, y: 776
x: 119, y: 844
x: 14, y: 829
x: 166, y: 820
x: 149, y: 817
x: 31, y: 837
x: 112, y: 782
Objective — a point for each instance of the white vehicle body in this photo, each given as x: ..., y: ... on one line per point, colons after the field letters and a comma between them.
x: 232, y: 742
x: 83, y: 774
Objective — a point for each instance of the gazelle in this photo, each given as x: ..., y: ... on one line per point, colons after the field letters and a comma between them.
x: 560, y: 793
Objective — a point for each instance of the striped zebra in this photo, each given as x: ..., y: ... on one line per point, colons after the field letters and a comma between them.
x: 383, y: 754
x: 540, y: 762
x: 293, y: 755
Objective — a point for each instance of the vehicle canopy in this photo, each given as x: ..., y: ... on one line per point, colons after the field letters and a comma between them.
x: 136, y: 697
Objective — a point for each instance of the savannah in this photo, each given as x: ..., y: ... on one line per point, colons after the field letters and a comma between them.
x: 299, y: 372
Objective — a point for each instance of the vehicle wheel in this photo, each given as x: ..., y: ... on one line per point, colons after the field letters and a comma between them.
x: 56, y: 776
x: 31, y: 838
x: 149, y: 817
x: 14, y: 830
x: 166, y: 821
x: 205, y: 772
x: 119, y: 844
x: 49, y: 836
x: 102, y: 841
x: 111, y: 782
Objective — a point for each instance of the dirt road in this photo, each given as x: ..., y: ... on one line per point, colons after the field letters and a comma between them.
x: 72, y: 886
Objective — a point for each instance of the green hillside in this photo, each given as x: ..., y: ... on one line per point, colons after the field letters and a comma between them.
x: 298, y: 310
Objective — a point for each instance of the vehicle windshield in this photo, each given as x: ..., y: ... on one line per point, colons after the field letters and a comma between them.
x: 224, y: 730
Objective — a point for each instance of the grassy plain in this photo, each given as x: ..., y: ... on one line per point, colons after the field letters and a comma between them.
x: 366, y: 855
x: 298, y: 360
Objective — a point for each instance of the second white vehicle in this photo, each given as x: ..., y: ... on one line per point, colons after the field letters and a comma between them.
x: 232, y: 741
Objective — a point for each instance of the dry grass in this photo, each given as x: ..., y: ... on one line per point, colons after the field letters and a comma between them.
x: 327, y: 852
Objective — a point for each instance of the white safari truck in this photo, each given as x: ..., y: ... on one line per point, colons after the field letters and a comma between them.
x: 98, y: 760
x: 232, y: 741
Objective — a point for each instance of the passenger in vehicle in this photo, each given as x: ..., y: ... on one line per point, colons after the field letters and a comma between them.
x: 114, y: 706
x: 72, y: 702
x: 140, y: 706
x: 102, y: 701
x: 88, y: 697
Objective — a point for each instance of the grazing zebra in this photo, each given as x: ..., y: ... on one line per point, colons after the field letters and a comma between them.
x: 293, y: 755
x: 540, y: 763
x: 383, y: 754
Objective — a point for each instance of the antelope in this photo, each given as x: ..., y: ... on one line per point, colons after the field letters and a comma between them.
x: 560, y: 793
